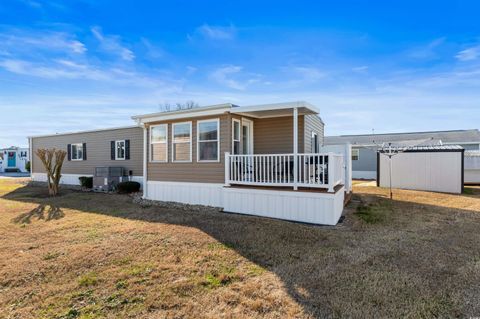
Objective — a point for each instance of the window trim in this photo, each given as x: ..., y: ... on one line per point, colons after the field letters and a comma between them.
x: 124, y: 150
x: 239, y: 134
x: 358, y: 154
x: 312, y: 139
x: 217, y: 120
x: 151, y: 143
x: 71, y: 152
x: 173, y: 141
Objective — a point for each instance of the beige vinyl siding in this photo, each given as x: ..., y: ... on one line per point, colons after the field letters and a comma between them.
x: 198, y: 172
x: 98, y: 150
x: 275, y: 135
x: 313, y: 123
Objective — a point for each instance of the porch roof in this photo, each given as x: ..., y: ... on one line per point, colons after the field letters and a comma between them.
x: 275, y: 110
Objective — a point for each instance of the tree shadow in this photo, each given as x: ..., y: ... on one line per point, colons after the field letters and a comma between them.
x: 46, y: 212
x: 352, y: 270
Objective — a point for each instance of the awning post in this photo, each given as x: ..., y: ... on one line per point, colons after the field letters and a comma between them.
x: 295, y: 148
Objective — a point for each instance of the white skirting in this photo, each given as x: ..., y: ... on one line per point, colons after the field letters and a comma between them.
x: 364, y: 174
x: 72, y: 179
x: 308, y: 207
x: 188, y: 193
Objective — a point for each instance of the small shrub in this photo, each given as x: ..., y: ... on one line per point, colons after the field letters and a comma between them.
x: 86, y: 182
x: 128, y: 187
x: 27, y: 166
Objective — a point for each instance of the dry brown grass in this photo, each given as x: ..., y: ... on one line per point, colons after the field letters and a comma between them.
x: 85, y: 255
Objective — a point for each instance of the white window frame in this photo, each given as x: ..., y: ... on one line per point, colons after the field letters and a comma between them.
x: 252, y: 142
x: 71, y: 151
x: 356, y: 150
x: 312, y: 140
x: 124, y: 150
x: 239, y: 135
x: 173, y: 141
x: 217, y: 120
x: 151, y: 144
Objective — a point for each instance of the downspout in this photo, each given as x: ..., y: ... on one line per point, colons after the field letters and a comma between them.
x: 145, y: 160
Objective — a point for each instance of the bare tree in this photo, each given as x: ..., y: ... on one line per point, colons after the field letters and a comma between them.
x: 52, y: 160
x: 166, y: 107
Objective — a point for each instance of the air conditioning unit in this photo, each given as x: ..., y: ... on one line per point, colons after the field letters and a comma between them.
x: 106, y: 179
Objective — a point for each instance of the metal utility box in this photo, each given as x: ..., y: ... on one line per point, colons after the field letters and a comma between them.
x: 106, y: 179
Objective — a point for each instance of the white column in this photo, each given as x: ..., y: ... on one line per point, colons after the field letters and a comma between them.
x: 145, y: 160
x: 227, y: 169
x: 295, y: 148
x: 331, y: 173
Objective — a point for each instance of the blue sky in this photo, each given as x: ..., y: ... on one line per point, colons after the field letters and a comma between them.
x: 391, y: 66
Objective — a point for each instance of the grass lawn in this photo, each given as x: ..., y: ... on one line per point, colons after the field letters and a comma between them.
x: 86, y: 255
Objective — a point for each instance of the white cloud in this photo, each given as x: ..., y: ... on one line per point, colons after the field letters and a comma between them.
x: 217, y: 32
x: 426, y: 51
x: 112, y: 44
x: 226, y: 77
x: 33, y: 41
x: 360, y: 69
x: 469, y: 54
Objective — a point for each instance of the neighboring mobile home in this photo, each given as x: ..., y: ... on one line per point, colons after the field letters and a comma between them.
x: 364, y: 147
x: 14, y: 159
x: 262, y: 160
x: 89, y: 149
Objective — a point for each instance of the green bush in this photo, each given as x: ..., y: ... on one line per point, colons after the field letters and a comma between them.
x: 27, y: 166
x: 128, y: 187
x: 86, y: 181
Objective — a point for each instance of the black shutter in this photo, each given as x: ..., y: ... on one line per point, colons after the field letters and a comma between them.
x: 112, y: 150
x: 69, y: 152
x: 84, y: 151
x: 127, y: 149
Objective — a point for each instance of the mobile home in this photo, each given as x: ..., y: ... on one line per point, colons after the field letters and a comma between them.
x: 263, y: 160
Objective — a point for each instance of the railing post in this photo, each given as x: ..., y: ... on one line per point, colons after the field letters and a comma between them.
x: 295, y: 148
x: 227, y: 168
x: 331, y: 173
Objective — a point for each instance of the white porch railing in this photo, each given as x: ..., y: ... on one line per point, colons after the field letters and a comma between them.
x: 314, y: 170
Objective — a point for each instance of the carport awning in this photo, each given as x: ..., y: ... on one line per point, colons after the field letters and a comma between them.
x: 275, y: 110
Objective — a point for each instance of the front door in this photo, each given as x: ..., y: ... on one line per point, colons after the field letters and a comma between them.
x: 247, y: 137
x: 12, y: 159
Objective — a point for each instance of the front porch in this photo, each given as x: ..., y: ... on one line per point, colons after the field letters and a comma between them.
x: 303, y: 185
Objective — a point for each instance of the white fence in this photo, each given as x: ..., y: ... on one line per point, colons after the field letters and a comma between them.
x: 312, y: 170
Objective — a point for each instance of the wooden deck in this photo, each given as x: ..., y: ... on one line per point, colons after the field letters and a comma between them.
x: 288, y: 188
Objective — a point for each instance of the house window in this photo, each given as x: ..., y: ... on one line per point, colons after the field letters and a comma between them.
x: 236, y: 137
x: 77, y: 152
x: 120, y: 150
x: 182, y: 142
x: 315, y: 144
x: 208, y: 141
x: 355, y: 154
x: 159, y: 143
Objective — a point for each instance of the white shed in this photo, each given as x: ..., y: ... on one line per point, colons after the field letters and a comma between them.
x: 472, y: 167
x: 438, y: 168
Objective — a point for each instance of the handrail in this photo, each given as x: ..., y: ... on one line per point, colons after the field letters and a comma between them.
x: 316, y: 170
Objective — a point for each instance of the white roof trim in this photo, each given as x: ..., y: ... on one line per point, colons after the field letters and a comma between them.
x: 181, y: 114
x: 89, y: 131
x: 276, y: 106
